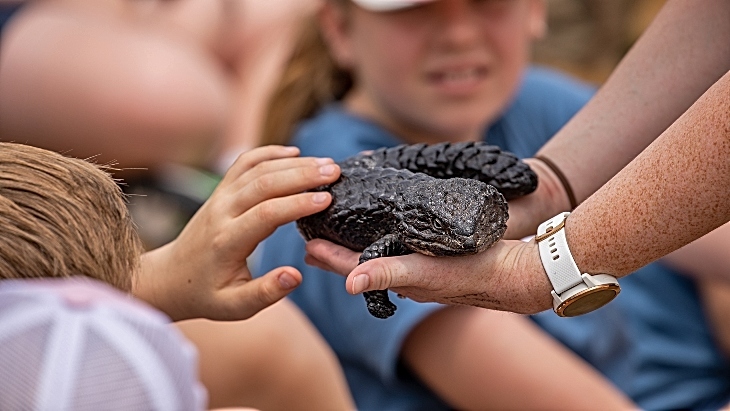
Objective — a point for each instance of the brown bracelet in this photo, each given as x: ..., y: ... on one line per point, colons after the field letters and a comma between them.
x: 561, y: 177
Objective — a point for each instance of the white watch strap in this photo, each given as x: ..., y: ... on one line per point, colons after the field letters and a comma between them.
x: 555, y: 254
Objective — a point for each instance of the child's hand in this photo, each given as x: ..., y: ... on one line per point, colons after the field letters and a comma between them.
x: 203, y: 273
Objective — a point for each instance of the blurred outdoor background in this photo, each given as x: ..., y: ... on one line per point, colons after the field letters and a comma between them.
x: 587, y: 38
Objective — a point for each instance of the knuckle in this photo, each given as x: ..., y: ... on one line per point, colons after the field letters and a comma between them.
x: 266, y: 211
x: 306, y: 172
x: 389, y: 276
x: 220, y: 242
x: 242, y: 160
x: 382, y: 275
x: 260, y: 166
x: 263, y: 184
x: 247, y: 160
x: 312, y: 172
x: 266, y: 295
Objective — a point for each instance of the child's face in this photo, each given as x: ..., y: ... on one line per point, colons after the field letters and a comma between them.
x: 440, y: 71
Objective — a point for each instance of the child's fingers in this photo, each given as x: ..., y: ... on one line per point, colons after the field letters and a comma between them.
x: 247, y: 299
x: 251, y: 158
x: 275, y: 165
x: 247, y: 230
x: 281, y: 183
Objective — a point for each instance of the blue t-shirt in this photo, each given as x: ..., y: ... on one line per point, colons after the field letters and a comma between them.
x: 652, y: 341
x: 7, y: 11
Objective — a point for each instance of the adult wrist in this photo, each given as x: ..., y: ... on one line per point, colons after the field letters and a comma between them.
x: 574, y: 292
x: 527, y: 212
x: 531, y: 280
x: 567, y: 189
x: 555, y: 195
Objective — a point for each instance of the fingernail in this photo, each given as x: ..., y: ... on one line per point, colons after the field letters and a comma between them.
x: 292, y: 149
x: 324, y: 160
x: 327, y: 170
x: 287, y: 281
x: 319, y: 198
x: 360, y: 283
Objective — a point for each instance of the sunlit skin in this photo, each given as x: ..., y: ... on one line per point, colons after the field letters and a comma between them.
x: 437, y: 72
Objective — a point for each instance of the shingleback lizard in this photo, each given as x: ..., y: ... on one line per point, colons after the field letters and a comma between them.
x: 443, y: 199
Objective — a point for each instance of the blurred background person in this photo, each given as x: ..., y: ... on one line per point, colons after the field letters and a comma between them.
x: 149, y: 86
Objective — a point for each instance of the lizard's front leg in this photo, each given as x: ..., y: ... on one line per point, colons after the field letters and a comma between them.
x: 378, y: 303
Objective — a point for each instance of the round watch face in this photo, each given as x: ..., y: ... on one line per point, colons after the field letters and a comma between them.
x: 588, y: 300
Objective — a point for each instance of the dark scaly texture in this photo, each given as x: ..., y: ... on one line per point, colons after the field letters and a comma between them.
x: 473, y: 160
x: 385, y: 212
x: 388, y: 211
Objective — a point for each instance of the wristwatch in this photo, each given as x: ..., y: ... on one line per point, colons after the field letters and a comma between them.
x: 574, y: 293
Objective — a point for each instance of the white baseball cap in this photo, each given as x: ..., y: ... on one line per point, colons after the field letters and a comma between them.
x: 388, y: 5
x: 78, y: 344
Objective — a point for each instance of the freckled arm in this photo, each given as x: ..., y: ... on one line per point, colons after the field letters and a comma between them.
x: 671, y: 194
x: 682, y: 53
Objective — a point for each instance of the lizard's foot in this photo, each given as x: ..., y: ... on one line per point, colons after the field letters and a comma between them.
x: 379, y: 304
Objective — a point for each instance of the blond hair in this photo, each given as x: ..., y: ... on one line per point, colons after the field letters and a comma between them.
x: 310, y: 79
x: 61, y: 217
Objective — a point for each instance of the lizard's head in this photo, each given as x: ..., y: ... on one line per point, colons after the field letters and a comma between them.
x: 454, y: 216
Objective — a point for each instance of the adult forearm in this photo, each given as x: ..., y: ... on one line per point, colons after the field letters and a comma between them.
x: 682, y: 53
x: 671, y: 194
x: 526, y: 213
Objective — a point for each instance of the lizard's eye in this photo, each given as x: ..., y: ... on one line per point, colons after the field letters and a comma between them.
x: 437, y: 224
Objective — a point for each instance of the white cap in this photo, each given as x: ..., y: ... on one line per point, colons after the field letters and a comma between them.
x: 78, y: 344
x: 388, y: 5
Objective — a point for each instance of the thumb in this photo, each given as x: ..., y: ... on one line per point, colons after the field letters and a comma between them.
x: 277, y: 284
x: 380, y: 274
x: 259, y: 293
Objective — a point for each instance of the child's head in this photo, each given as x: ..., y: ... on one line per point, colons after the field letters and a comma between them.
x: 62, y: 217
x: 440, y: 70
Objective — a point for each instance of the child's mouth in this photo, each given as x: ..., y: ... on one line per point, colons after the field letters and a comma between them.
x: 458, y: 81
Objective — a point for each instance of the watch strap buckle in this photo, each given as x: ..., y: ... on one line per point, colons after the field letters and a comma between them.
x: 574, y: 293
